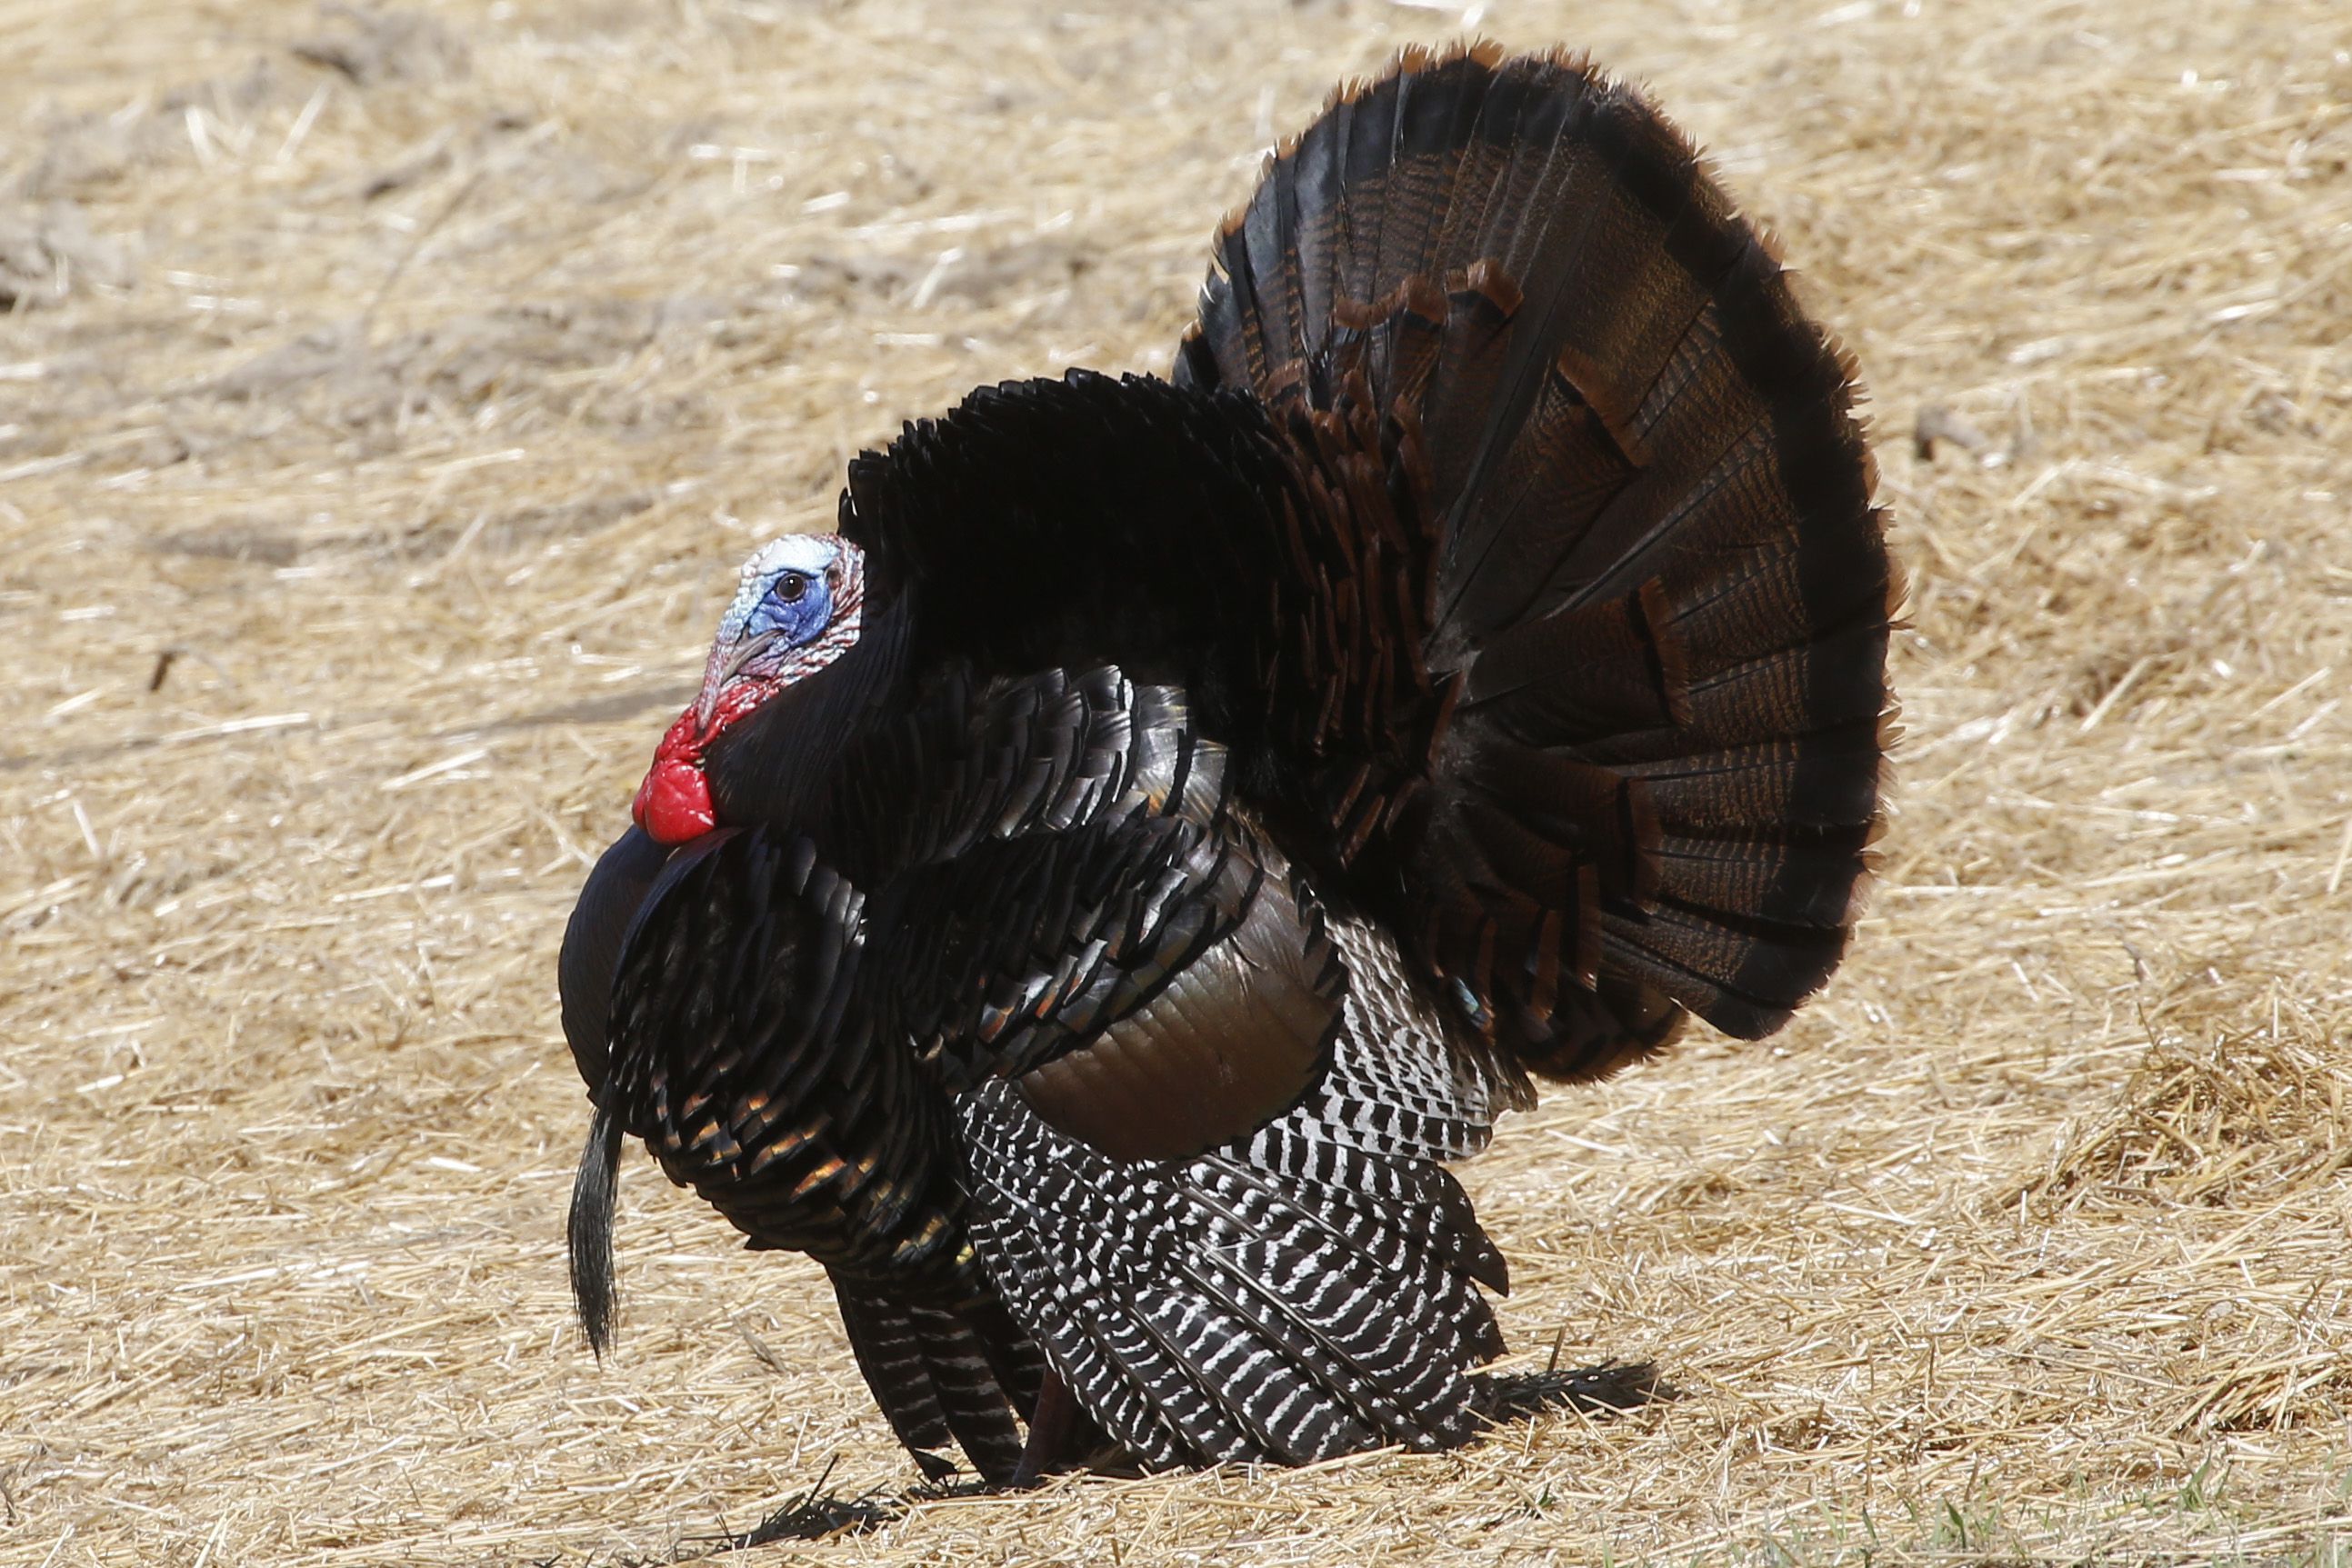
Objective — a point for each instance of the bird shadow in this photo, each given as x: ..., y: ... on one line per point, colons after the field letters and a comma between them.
x: 1610, y: 1389
x: 812, y: 1517
x: 818, y: 1514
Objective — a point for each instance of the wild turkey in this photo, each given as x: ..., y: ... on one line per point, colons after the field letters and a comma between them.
x: 1096, y: 888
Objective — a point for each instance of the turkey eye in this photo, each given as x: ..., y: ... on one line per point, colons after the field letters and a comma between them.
x: 791, y: 588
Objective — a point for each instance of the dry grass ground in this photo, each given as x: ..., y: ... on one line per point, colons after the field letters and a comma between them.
x: 385, y: 402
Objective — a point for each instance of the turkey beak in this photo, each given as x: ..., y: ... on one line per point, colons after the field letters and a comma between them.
x: 722, y: 668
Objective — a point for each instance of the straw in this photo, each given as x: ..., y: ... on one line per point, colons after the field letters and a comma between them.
x: 386, y: 401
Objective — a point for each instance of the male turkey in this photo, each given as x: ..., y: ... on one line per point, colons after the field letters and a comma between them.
x: 1096, y: 887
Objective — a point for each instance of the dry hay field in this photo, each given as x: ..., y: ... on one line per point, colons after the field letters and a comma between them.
x: 385, y: 400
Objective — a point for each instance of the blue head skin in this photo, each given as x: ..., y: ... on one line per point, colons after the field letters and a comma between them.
x: 783, y: 602
x: 797, y: 608
x: 791, y: 594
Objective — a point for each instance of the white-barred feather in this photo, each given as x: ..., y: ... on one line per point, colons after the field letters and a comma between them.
x: 1303, y: 1292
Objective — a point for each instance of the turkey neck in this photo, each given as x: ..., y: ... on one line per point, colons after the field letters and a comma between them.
x: 777, y: 763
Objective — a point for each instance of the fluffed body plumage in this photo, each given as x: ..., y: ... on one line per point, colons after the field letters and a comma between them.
x: 1230, y: 793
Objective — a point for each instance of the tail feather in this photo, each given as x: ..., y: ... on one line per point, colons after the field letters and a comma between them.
x: 1825, y: 779
x: 1798, y: 880
x: 1654, y: 566
x: 1732, y: 614
x: 1735, y: 694
x: 1552, y: 485
x: 1747, y: 974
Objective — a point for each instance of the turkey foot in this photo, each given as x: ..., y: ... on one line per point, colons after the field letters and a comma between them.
x: 1050, y: 1430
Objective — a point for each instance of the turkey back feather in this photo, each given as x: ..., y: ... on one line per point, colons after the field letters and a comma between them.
x: 1063, y: 897
x: 1547, y: 377
x: 1081, y: 521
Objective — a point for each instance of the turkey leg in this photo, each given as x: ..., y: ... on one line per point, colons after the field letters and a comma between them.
x: 1050, y: 1430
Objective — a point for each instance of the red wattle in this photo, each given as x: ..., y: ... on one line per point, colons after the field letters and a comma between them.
x: 672, y: 804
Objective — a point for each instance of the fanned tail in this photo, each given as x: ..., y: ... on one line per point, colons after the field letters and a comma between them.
x: 1558, y: 395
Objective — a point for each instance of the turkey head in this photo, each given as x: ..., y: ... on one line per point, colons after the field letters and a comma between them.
x: 799, y: 606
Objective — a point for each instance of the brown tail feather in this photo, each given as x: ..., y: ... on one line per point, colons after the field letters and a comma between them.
x: 1651, y: 593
